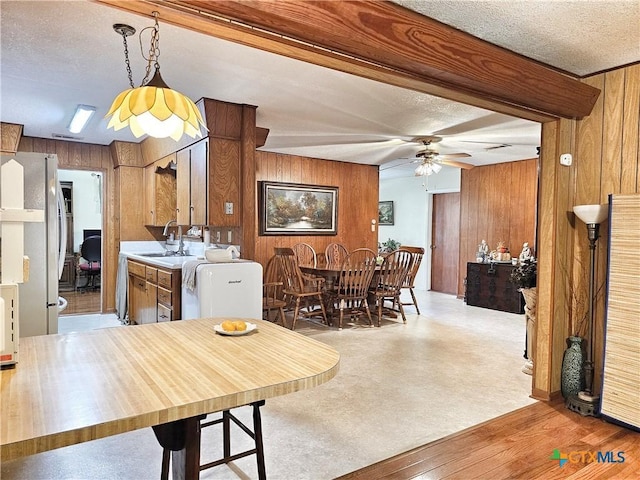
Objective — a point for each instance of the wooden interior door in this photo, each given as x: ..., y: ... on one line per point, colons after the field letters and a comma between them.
x: 445, y: 234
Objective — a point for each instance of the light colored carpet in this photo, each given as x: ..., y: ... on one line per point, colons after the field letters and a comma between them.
x: 399, y: 386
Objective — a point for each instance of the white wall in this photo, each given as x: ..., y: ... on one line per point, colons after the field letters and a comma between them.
x: 87, y: 204
x: 412, y: 202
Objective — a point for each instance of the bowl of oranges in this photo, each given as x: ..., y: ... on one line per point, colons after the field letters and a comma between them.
x: 234, y: 327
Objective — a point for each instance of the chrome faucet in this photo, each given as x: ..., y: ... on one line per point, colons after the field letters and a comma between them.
x: 181, y: 251
x: 165, y: 232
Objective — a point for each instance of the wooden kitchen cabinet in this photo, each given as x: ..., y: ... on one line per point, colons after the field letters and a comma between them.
x: 154, y: 293
x: 208, y: 183
x: 160, y: 191
x: 137, y: 296
x: 192, y: 184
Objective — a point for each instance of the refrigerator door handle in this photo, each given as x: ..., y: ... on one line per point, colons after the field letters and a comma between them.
x: 62, y: 228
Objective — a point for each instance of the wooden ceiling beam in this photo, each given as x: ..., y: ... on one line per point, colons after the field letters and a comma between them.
x: 385, y: 42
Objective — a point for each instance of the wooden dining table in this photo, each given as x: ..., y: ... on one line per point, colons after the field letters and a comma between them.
x: 73, y: 388
x: 330, y: 272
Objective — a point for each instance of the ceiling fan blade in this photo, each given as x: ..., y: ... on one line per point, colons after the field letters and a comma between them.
x: 490, y: 120
x: 294, y: 141
x: 453, y: 163
x: 409, y: 161
x: 453, y: 155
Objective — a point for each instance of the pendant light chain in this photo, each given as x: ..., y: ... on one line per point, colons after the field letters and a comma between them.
x: 154, y: 49
x: 126, y: 57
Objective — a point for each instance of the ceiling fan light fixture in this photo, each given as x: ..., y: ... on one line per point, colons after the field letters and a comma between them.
x: 427, y: 167
x: 153, y: 109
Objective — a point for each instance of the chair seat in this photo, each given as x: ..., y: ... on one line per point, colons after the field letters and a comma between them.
x: 273, y: 303
x: 90, y: 266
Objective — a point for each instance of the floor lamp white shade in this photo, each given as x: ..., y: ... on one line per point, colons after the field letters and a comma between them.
x: 591, y: 214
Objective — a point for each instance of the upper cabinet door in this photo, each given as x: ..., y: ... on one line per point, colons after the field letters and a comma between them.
x: 199, y: 177
x: 183, y: 187
x: 164, y: 194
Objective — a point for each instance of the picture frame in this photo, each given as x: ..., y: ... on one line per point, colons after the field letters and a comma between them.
x: 297, y: 209
x: 385, y: 213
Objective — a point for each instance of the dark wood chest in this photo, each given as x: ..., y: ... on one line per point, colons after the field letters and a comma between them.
x: 488, y: 286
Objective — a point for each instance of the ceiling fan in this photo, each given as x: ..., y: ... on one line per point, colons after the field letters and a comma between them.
x: 430, y: 160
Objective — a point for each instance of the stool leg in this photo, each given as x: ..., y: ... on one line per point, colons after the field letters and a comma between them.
x: 166, y: 457
x: 226, y: 434
x: 257, y: 430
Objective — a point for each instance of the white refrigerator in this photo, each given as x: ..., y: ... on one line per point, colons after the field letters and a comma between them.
x: 44, y: 244
x: 225, y: 289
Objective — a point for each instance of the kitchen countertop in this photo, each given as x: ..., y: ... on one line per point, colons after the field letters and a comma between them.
x: 139, y: 250
x: 174, y: 263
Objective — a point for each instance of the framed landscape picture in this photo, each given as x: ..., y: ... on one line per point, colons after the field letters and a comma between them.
x: 385, y: 213
x: 297, y: 209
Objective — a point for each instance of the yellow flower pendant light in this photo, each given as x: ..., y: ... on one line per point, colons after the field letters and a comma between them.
x: 153, y: 109
x: 156, y: 110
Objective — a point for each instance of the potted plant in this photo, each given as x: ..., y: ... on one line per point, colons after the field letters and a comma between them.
x: 389, y: 246
x: 524, y: 277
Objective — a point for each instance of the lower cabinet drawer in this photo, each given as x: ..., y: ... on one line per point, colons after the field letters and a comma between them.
x: 136, y: 269
x: 165, y: 314
x: 164, y: 296
x: 151, y: 274
x: 164, y: 279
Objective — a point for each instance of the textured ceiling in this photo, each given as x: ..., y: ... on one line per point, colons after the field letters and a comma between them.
x: 578, y: 36
x: 56, y: 55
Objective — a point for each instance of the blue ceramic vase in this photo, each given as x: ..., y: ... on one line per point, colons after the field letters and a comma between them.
x: 572, y: 377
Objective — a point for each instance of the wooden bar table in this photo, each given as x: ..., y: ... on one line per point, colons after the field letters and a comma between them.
x: 77, y: 387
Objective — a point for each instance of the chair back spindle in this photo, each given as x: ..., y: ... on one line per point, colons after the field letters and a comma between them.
x: 335, y: 254
x: 305, y: 254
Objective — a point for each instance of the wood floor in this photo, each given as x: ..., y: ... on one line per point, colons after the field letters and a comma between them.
x: 519, y: 445
x: 81, y: 302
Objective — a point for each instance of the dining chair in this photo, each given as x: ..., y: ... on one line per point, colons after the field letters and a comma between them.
x: 335, y: 253
x: 298, y: 286
x: 389, y: 280
x: 416, y: 259
x: 354, y: 281
x: 305, y: 254
x: 91, y: 251
x: 272, y: 294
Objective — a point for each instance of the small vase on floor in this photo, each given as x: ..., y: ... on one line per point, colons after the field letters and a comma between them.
x: 572, y: 376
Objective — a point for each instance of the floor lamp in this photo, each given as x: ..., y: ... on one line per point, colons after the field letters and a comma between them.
x: 592, y: 216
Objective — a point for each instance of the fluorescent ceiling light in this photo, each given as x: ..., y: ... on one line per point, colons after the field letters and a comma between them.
x: 81, y: 117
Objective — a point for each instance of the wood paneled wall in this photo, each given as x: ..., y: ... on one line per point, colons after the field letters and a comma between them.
x: 605, y: 147
x: 357, y: 199
x: 497, y: 203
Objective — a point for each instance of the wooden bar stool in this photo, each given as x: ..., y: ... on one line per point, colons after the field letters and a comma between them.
x: 171, y: 437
